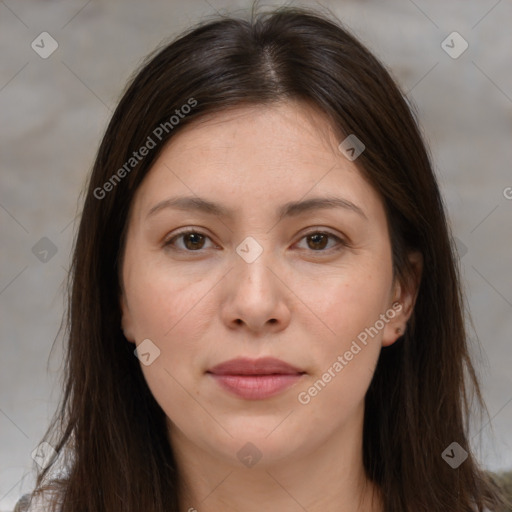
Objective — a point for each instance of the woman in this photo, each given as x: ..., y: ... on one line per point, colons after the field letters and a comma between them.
x: 265, y: 311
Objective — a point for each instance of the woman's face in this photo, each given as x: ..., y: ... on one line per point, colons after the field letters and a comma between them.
x: 270, y: 270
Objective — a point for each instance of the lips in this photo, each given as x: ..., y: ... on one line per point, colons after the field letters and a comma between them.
x: 255, y: 379
x: 262, y: 366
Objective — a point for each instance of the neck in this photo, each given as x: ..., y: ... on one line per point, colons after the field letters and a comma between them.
x: 330, y: 478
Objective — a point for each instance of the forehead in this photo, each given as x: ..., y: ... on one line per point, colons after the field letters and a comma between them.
x: 280, y: 133
x: 253, y: 156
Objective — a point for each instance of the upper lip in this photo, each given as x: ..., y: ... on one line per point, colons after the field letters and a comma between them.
x: 247, y: 366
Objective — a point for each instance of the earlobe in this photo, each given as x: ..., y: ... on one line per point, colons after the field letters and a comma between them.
x: 395, y: 328
x: 405, y: 295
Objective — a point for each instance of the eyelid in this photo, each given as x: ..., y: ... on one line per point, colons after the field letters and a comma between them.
x: 341, y: 240
x: 184, y: 231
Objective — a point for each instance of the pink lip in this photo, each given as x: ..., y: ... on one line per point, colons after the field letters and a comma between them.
x: 255, y: 379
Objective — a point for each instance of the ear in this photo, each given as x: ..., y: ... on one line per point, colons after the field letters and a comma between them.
x: 126, y: 319
x: 403, y: 301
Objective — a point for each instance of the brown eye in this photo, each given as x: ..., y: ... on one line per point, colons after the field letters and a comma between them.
x: 191, y: 241
x: 318, y: 241
x: 194, y: 241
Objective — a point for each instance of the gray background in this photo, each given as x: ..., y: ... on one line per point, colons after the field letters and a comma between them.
x: 54, y: 112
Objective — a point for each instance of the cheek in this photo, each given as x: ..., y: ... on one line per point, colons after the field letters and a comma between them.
x: 163, y: 302
x: 348, y: 351
x: 348, y: 307
x: 173, y: 309
x: 169, y: 310
x: 347, y: 303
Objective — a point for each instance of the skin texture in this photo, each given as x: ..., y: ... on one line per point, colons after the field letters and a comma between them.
x: 301, y: 301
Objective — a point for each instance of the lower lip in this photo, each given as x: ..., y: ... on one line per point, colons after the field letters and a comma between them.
x: 256, y: 387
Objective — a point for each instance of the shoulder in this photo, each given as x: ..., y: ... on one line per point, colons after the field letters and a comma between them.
x: 35, y: 502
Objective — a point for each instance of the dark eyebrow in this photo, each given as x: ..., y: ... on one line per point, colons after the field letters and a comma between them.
x: 293, y: 208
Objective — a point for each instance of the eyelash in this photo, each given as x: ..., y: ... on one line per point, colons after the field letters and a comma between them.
x: 341, y: 242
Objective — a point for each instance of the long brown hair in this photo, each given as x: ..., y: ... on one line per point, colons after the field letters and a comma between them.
x: 109, y: 432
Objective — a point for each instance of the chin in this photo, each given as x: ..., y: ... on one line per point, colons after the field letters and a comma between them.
x: 258, y: 443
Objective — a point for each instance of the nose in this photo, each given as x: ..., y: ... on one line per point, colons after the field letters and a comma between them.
x: 256, y: 296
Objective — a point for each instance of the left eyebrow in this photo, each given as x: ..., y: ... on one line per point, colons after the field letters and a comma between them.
x: 290, y: 209
x: 317, y: 203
